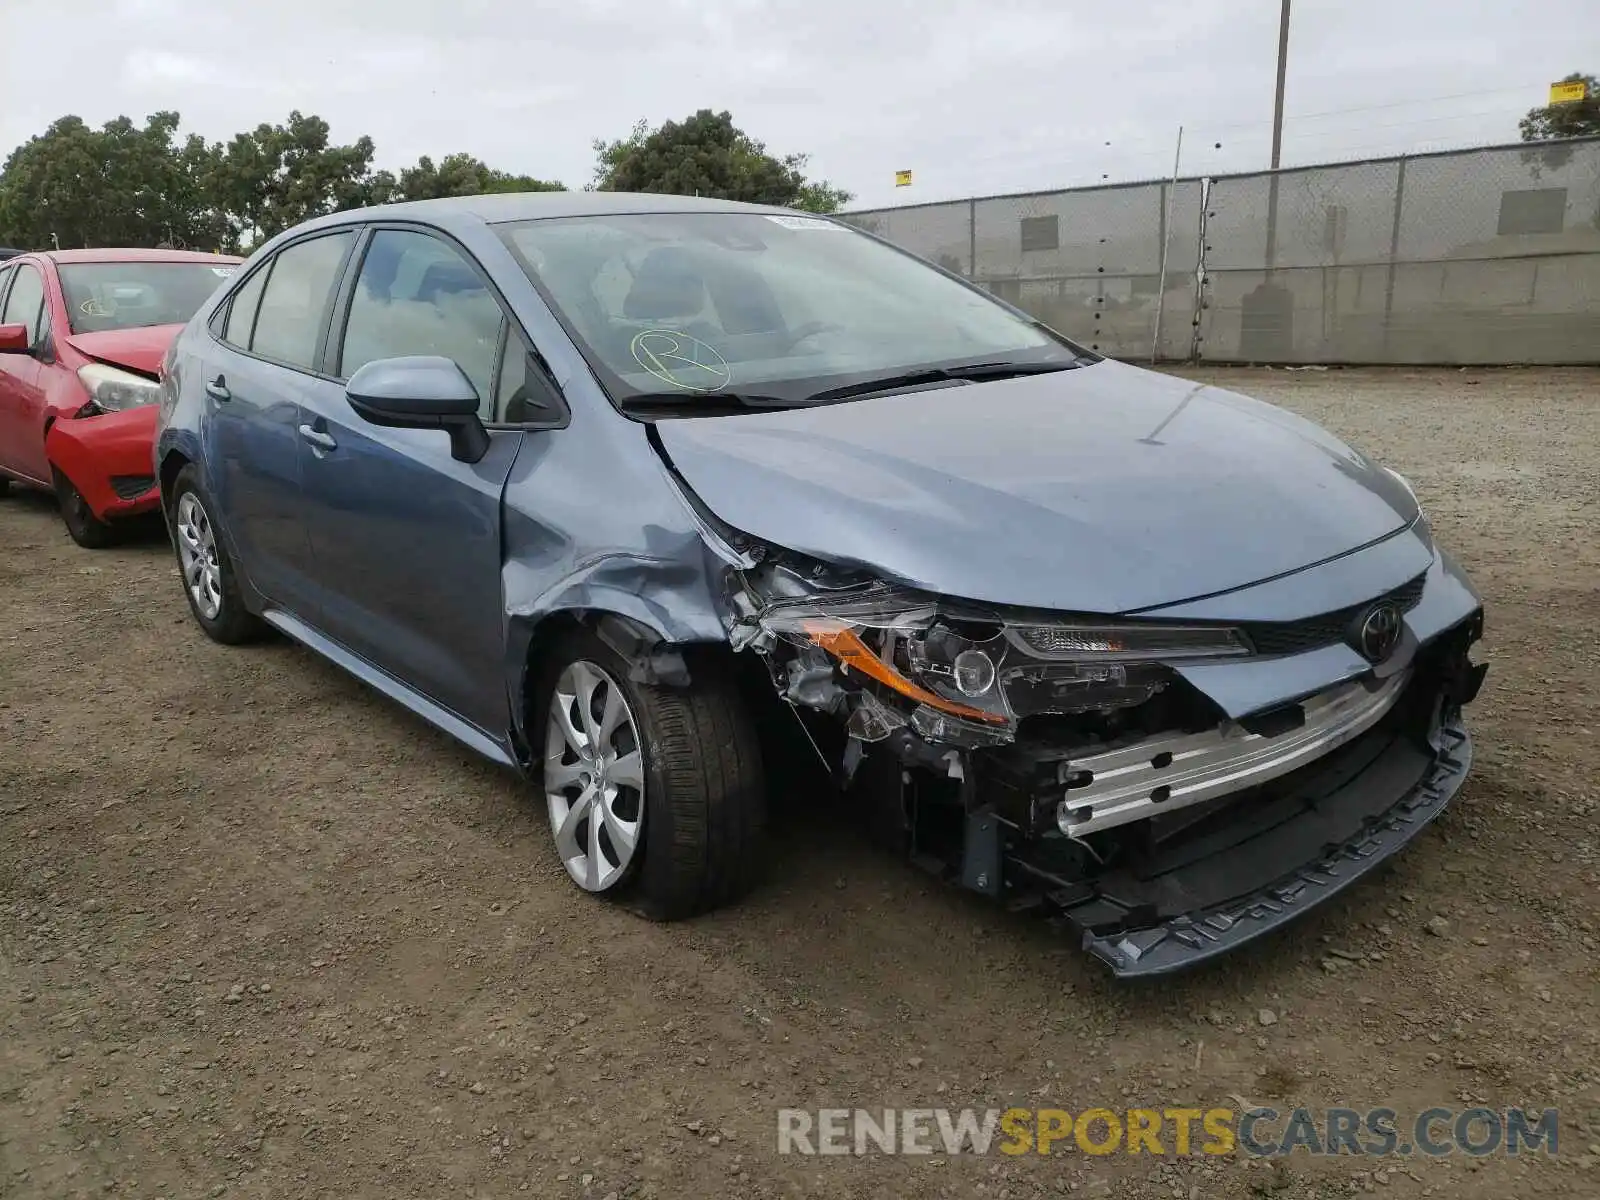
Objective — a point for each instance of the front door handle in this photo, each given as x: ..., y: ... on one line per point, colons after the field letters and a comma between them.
x: 217, y: 389
x: 317, y: 438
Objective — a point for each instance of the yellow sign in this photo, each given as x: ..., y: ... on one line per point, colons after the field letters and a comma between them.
x: 903, y: 178
x: 1568, y: 93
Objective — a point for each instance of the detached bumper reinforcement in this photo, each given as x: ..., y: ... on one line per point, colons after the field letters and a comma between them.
x: 1197, y: 767
x: 1133, y: 948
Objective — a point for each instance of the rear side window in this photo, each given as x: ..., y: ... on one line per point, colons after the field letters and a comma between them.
x: 25, y: 304
x: 242, y: 311
x: 417, y: 294
x: 295, y: 302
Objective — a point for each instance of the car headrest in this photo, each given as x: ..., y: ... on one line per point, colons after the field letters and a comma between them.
x: 666, y: 286
x: 447, y: 279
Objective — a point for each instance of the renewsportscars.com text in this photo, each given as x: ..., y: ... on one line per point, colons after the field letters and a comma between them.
x: 1255, y: 1132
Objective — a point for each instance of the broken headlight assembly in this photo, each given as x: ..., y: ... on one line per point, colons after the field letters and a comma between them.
x: 966, y: 676
x: 112, y: 389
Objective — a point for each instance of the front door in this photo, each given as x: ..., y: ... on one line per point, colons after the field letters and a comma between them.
x: 406, y: 539
x: 22, y: 379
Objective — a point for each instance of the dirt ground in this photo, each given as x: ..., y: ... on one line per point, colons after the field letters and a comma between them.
x: 264, y: 934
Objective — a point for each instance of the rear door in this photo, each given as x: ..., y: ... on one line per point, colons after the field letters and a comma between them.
x: 22, y: 378
x: 406, y: 538
x: 257, y: 376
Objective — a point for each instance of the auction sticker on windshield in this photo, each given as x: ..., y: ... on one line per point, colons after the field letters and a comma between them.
x: 806, y: 223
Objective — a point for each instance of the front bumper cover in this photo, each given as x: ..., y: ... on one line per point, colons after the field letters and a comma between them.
x: 1177, y: 888
x: 1110, y: 928
x: 108, y: 458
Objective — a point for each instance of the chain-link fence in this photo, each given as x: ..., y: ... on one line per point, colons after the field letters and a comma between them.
x: 1475, y: 256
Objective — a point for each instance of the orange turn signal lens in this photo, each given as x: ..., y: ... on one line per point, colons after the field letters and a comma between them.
x: 846, y: 645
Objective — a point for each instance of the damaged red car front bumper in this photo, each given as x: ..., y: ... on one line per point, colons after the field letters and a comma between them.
x: 108, y: 458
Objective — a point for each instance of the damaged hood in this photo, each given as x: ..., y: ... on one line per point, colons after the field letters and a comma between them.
x: 1104, y: 489
x: 135, y: 349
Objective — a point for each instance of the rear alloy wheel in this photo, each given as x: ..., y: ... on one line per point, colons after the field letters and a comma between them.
x: 88, y: 530
x: 655, y: 794
x: 209, y: 582
x: 197, y: 557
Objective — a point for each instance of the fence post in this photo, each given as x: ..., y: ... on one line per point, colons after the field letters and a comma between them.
x: 1201, y: 280
x: 1394, y: 254
x: 972, y: 239
x: 1170, y: 191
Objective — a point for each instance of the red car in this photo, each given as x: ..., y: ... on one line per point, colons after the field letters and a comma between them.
x: 82, y: 337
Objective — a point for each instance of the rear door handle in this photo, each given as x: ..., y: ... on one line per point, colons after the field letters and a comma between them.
x: 217, y: 389
x: 316, y: 438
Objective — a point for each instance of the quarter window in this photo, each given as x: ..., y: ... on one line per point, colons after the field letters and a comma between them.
x: 417, y: 294
x: 295, y: 302
x: 511, y: 397
x: 25, y: 304
x: 242, y: 310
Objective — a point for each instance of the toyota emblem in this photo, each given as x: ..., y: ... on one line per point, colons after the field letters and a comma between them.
x: 1379, y: 632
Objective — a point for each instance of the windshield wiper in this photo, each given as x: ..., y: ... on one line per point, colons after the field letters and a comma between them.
x: 967, y: 372
x: 688, y: 403
x: 699, y: 403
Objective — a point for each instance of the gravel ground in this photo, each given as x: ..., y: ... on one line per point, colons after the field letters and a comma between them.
x: 264, y: 934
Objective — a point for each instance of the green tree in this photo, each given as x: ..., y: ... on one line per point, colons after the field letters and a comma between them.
x: 1576, y: 118
x: 119, y: 185
x: 463, y: 175
x: 819, y: 196
x: 276, y: 176
x: 708, y: 155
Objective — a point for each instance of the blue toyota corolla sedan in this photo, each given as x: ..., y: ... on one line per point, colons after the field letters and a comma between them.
x: 553, y: 471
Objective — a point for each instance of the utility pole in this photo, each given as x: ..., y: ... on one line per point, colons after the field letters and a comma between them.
x: 1283, y: 72
x: 1277, y: 136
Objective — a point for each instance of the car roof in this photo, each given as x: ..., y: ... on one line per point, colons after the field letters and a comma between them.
x: 530, y: 206
x: 115, y: 255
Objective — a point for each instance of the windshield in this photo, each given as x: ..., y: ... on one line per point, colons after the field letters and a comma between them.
x: 707, y: 306
x: 133, y: 295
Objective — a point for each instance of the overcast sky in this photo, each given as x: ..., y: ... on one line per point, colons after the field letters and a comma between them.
x: 974, y: 96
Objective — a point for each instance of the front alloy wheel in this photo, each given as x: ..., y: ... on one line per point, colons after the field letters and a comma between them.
x: 594, y: 776
x: 655, y: 792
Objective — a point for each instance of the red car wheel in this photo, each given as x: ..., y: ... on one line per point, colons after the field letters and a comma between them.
x: 86, y: 529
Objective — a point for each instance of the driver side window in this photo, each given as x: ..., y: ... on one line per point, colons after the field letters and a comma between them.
x: 25, y: 304
x: 417, y: 294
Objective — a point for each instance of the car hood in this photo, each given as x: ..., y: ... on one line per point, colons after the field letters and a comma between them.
x: 136, y: 349
x: 1104, y: 489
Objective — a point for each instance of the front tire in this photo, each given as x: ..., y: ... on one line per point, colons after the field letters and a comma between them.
x: 210, y: 581
x: 88, y: 530
x: 655, y: 795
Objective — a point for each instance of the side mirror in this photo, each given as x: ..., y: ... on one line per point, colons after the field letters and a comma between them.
x: 421, y: 391
x: 14, y: 340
